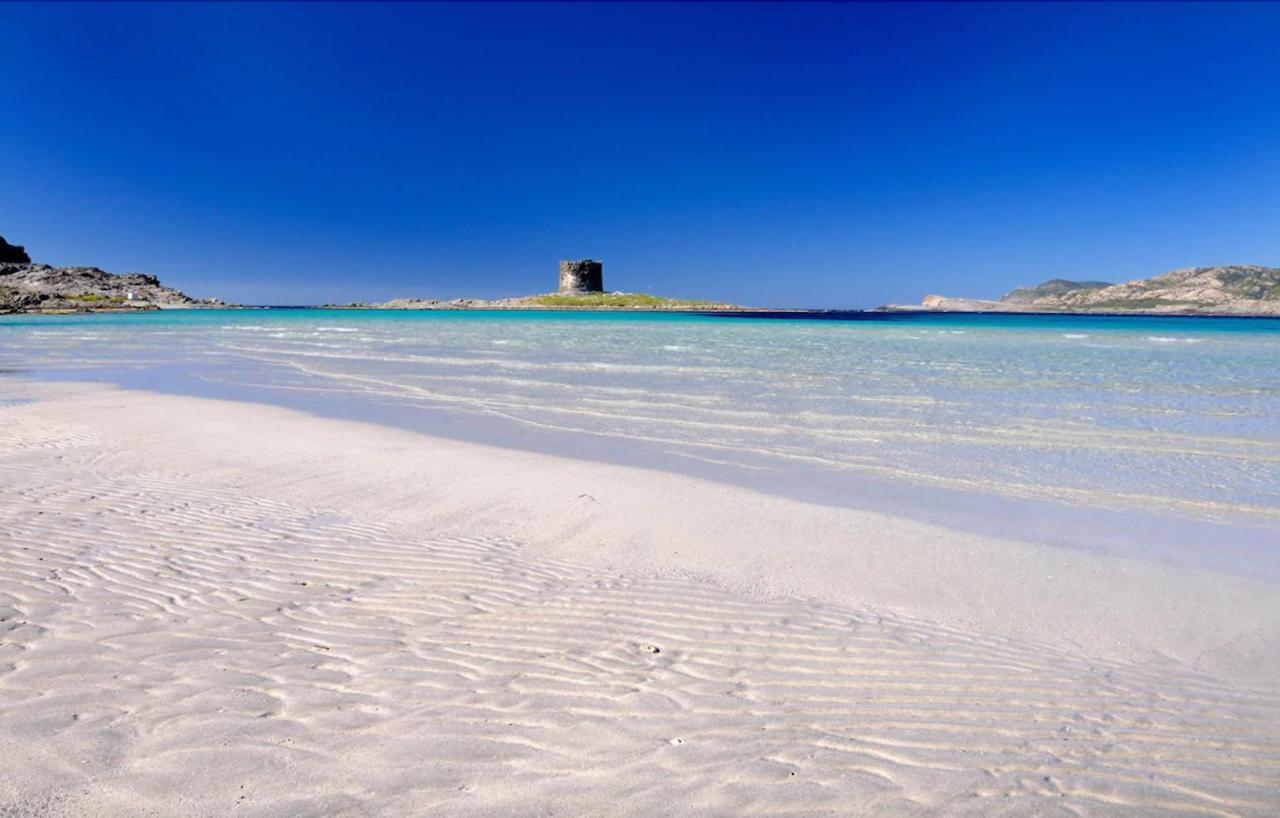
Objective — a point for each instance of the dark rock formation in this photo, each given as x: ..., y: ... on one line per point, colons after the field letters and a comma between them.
x: 41, y: 288
x: 13, y: 253
x: 584, y: 276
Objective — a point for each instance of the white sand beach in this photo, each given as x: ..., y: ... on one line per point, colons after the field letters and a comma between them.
x: 216, y: 608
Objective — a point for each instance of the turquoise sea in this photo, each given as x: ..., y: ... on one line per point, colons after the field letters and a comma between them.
x: 1152, y: 434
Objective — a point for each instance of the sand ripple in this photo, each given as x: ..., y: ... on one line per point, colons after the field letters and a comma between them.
x: 171, y: 646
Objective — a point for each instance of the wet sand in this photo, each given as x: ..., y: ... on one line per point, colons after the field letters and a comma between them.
x: 210, y: 607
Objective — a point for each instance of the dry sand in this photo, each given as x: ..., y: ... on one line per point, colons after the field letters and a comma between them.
x: 211, y: 608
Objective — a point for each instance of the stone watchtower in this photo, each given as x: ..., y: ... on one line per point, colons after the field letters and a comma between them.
x: 585, y: 276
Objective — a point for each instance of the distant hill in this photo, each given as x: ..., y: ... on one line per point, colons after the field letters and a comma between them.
x: 1239, y: 289
x: 1052, y: 288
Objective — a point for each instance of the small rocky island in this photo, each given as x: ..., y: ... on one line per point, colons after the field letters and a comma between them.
x: 581, y: 288
x: 1240, y: 289
x: 26, y: 287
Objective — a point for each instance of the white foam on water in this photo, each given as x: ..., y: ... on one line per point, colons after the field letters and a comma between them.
x: 1003, y: 411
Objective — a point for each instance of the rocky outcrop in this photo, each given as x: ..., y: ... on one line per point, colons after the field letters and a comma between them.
x: 945, y: 303
x: 13, y: 253
x: 1236, y: 288
x: 27, y: 287
x: 41, y: 288
x: 1240, y: 289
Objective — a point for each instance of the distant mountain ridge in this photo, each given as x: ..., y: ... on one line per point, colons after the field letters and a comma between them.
x: 1237, y: 289
x: 1051, y: 288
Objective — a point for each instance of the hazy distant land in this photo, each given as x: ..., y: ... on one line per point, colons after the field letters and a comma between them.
x: 1242, y: 289
x: 1247, y: 289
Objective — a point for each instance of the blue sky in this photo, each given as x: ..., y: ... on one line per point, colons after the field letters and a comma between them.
x: 792, y: 155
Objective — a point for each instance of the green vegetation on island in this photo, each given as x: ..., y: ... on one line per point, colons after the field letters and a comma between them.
x: 92, y: 298
x: 621, y: 301
x: 554, y: 301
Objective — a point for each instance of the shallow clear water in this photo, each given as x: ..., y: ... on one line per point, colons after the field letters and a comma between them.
x: 1174, y: 417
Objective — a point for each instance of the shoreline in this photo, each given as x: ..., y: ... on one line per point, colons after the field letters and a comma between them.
x: 1079, y: 313
x: 349, y: 618
x: 835, y: 314
x: 1231, y: 546
x: 648, y: 523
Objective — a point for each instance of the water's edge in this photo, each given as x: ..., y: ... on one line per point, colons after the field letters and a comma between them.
x: 847, y: 413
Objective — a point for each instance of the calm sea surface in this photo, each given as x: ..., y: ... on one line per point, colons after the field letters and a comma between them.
x: 1137, y: 419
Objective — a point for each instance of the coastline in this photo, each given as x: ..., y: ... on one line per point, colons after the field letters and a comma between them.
x: 329, y: 552
x: 871, y: 313
x: 1007, y: 310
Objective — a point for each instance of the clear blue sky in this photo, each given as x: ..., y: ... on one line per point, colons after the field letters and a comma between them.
x: 797, y: 155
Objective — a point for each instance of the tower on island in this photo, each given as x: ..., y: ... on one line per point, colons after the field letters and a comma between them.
x: 583, y: 276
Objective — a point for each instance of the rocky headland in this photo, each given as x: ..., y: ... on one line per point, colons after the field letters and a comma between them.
x: 1238, y: 289
x: 26, y: 287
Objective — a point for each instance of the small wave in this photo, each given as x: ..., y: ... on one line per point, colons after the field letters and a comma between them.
x: 674, y: 347
x: 1164, y: 339
x: 337, y: 329
x: 1075, y: 335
